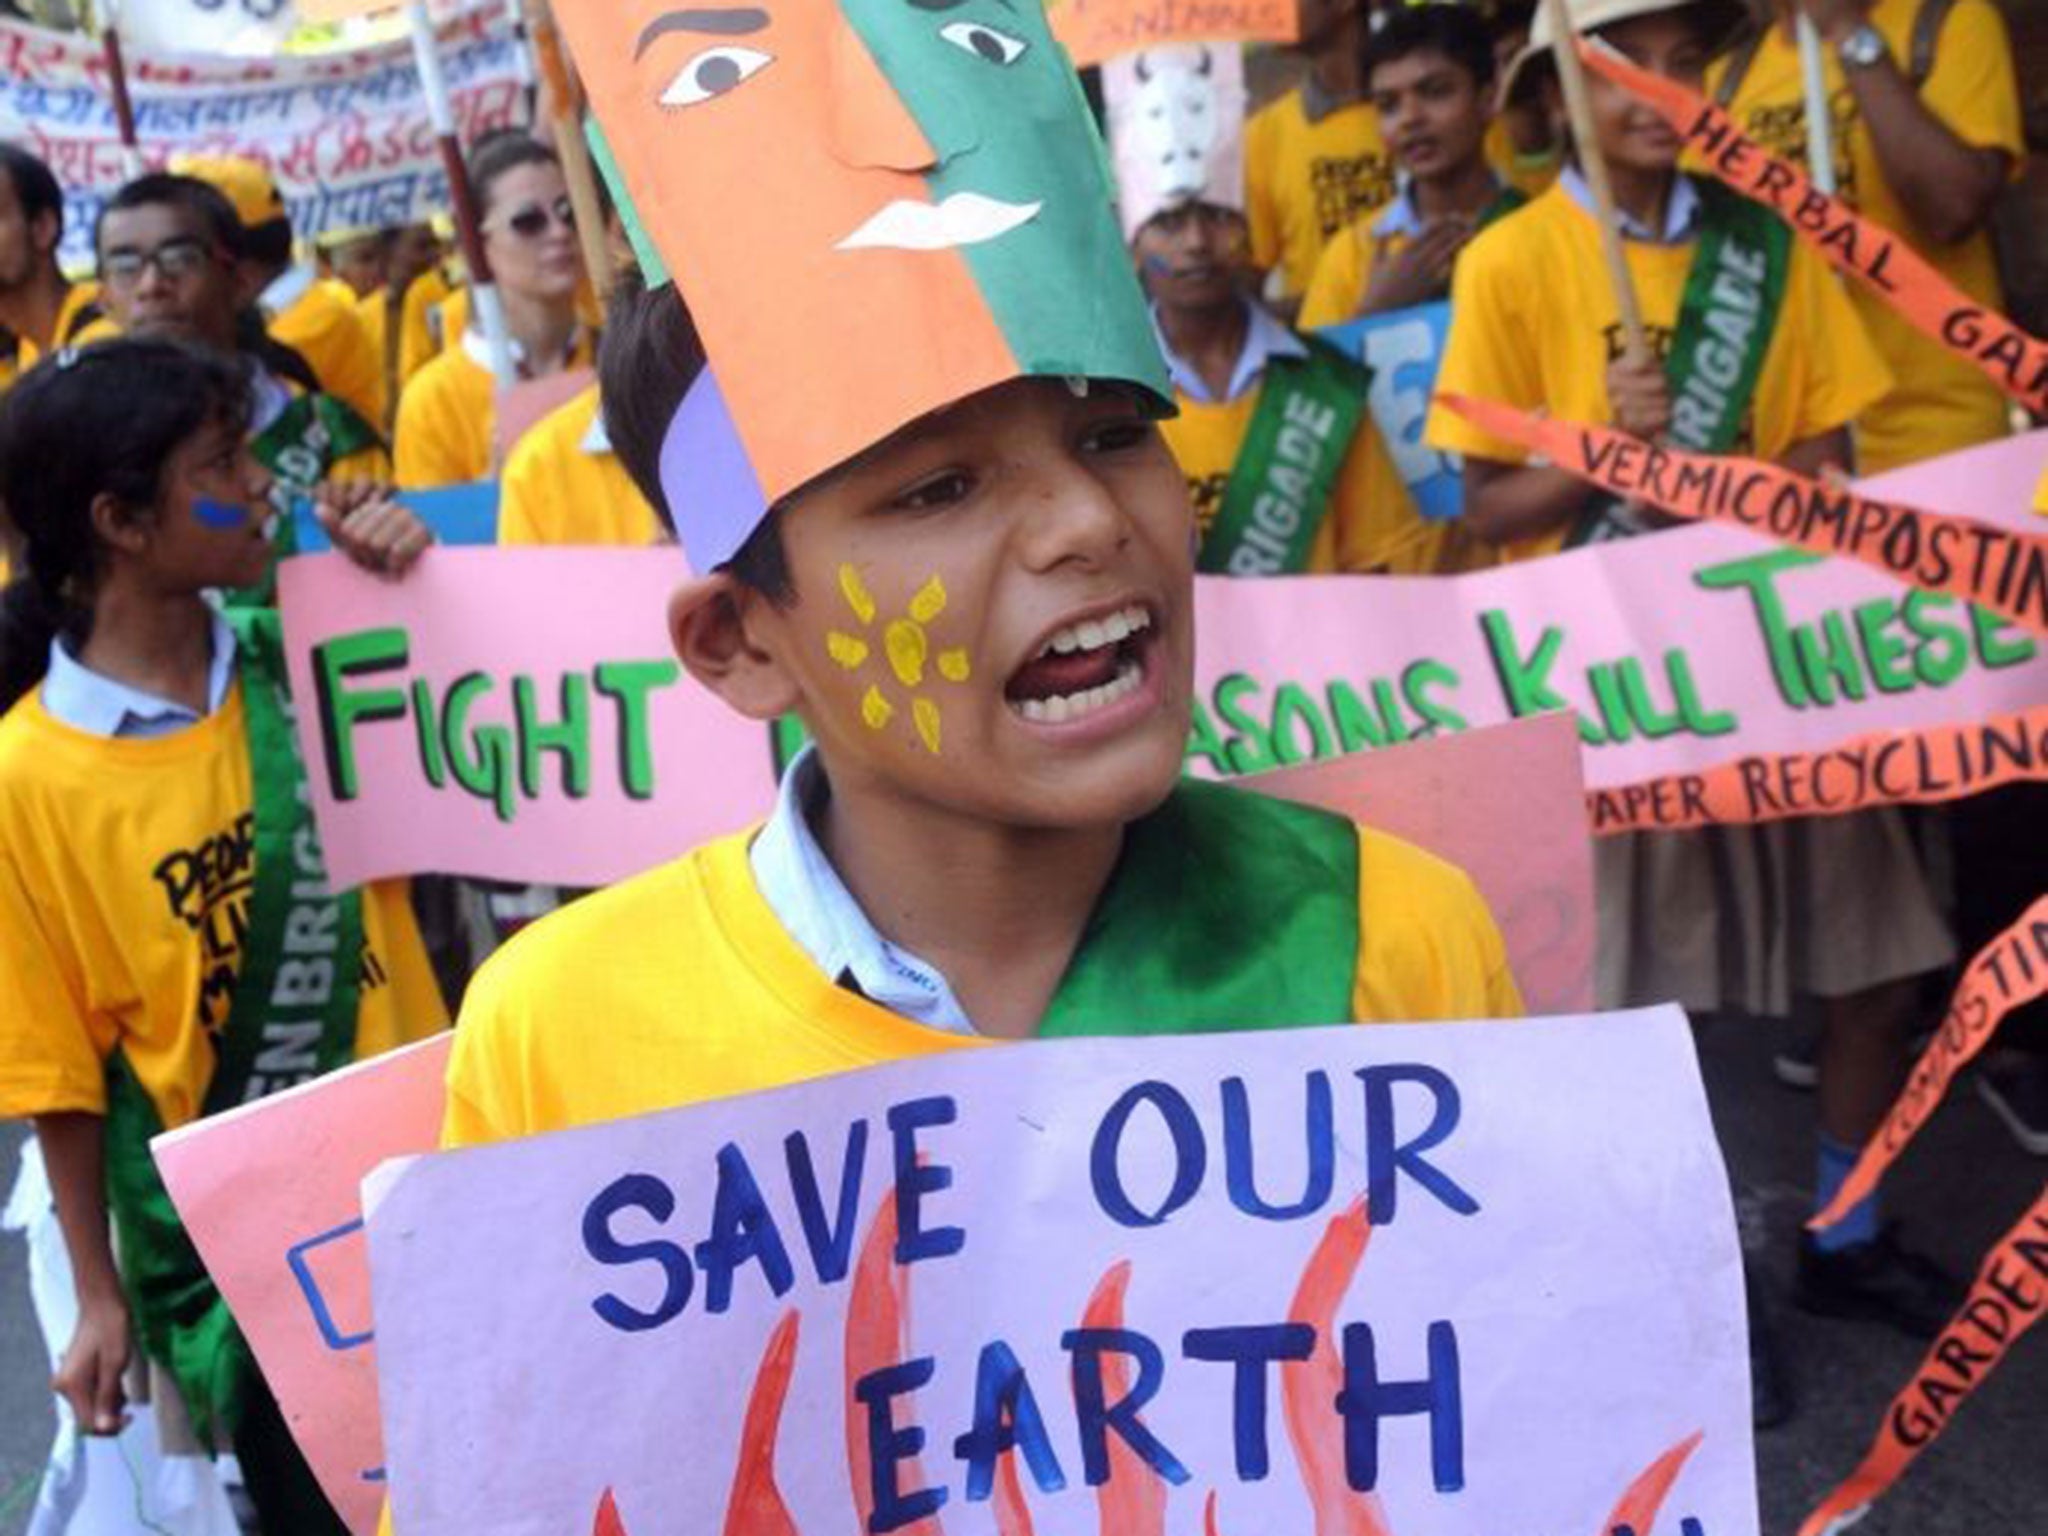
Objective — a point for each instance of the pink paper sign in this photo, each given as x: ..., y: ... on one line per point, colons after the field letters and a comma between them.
x: 1503, y: 804
x: 271, y: 1195
x: 515, y: 714
x: 1458, y: 1279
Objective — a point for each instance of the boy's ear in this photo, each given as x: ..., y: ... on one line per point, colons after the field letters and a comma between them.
x: 707, y: 624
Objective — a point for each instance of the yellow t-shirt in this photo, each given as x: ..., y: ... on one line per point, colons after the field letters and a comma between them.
x: 447, y: 423
x: 1528, y: 174
x: 1939, y: 403
x: 383, y: 331
x: 422, y: 334
x: 322, y: 326
x: 1535, y: 322
x: 124, y: 887
x: 1371, y: 528
x: 681, y: 985
x: 1305, y: 182
x: 77, y: 325
x: 1345, y: 270
x: 555, y: 490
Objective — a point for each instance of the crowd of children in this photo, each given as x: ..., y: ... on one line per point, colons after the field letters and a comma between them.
x: 1023, y: 858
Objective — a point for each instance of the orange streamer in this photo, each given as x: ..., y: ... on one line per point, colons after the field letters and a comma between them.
x: 2002, y: 569
x: 2008, y: 1298
x: 2008, y: 973
x: 2015, y: 361
x: 1917, y: 767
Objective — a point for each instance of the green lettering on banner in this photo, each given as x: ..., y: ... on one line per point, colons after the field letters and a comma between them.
x: 1418, y: 680
x: 1248, y: 751
x: 335, y: 663
x: 1205, y: 743
x: 480, y: 759
x: 1295, y: 713
x: 1943, y: 654
x: 1356, y: 727
x: 1828, y: 657
x: 568, y: 737
x: 427, y: 733
x: 628, y: 684
x: 1993, y: 649
x: 1882, y: 648
x: 1757, y: 575
x: 1525, y: 682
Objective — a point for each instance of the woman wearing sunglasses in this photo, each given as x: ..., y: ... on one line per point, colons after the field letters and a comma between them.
x: 447, y: 417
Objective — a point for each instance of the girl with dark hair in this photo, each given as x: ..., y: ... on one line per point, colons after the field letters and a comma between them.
x: 168, y: 944
x: 447, y: 417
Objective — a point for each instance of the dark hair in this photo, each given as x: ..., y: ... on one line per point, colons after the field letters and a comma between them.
x: 1457, y: 32
x: 35, y: 185
x: 498, y: 154
x: 268, y: 244
x: 102, y: 420
x: 648, y: 359
x: 203, y: 201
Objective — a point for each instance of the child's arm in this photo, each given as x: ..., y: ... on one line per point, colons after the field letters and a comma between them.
x: 1507, y: 503
x: 74, y: 1152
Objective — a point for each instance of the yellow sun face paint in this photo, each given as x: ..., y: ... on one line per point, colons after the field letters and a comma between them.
x: 876, y: 710
x: 856, y: 592
x: 907, y: 646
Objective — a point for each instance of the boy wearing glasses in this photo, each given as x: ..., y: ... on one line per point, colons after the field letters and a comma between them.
x: 447, y: 417
x: 169, y: 253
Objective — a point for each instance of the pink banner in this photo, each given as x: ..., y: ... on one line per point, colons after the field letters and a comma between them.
x: 517, y: 714
x: 287, y: 1251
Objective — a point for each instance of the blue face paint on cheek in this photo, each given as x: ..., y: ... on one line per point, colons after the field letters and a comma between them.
x: 1156, y: 267
x: 220, y: 515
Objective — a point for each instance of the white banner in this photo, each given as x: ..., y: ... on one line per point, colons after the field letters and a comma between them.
x: 246, y: 27
x: 346, y: 134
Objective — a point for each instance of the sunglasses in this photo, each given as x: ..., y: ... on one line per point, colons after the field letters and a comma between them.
x: 534, y: 220
x: 173, y: 259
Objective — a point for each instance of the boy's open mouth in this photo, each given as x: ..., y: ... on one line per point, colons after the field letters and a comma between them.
x: 1083, y: 668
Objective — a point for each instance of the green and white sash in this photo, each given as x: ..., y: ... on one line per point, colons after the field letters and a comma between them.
x: 292, y: 1018
x: 1734, y: 293
x: 1279, y: 490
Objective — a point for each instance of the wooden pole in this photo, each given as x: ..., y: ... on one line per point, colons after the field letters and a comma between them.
x: 565, y: 113
x: 117, y: 88
x: 1571, y: 75
x: 1820, y: 123
x: 483, y: 292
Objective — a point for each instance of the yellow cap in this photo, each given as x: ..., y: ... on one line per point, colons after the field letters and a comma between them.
x: 243, y: 182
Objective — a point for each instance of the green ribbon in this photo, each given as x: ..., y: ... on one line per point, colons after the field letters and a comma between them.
x: 309, y: 437
x: 292, y: 1018
x: 1734, y: 291
x: 1227, y: 910
x: 1279, y: 490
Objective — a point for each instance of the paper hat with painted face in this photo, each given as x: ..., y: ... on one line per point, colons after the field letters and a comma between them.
x: 1176, y: 128
x: 873, y: 208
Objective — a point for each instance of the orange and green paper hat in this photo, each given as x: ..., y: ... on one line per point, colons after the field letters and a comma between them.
x: 874, y: 209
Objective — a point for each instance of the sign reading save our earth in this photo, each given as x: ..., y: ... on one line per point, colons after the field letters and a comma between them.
x: 1444, y: 1280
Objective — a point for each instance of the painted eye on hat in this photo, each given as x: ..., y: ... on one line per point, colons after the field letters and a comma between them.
x: 984, y: 41
x: 712, y: 73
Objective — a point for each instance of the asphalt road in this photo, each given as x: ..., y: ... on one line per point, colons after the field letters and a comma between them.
x: 1958, y: 1189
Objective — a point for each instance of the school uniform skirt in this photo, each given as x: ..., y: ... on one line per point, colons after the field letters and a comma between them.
x: 1744, y: 919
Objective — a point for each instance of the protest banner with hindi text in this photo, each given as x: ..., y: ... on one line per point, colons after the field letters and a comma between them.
x: 1461, y: 1279
x: 345, y: 134
x: 1095, y: 30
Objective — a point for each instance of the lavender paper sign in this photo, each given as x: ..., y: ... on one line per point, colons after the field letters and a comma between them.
x: 1448, y: 1280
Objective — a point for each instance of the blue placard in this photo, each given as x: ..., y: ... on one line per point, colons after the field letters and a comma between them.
x: 1404, y: 348
x: 458, y: 514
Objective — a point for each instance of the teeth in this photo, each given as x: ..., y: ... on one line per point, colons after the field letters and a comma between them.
x: 1061, y: 708
x: 1093, y: 634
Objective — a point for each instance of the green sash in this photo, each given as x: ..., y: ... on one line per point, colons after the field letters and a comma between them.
x: 310, y: 436
x: 1505, y: 202
x: 1279, y: 490
x: 1228, y: 910
x: 292, y: 1018
x: 1727, y: 316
